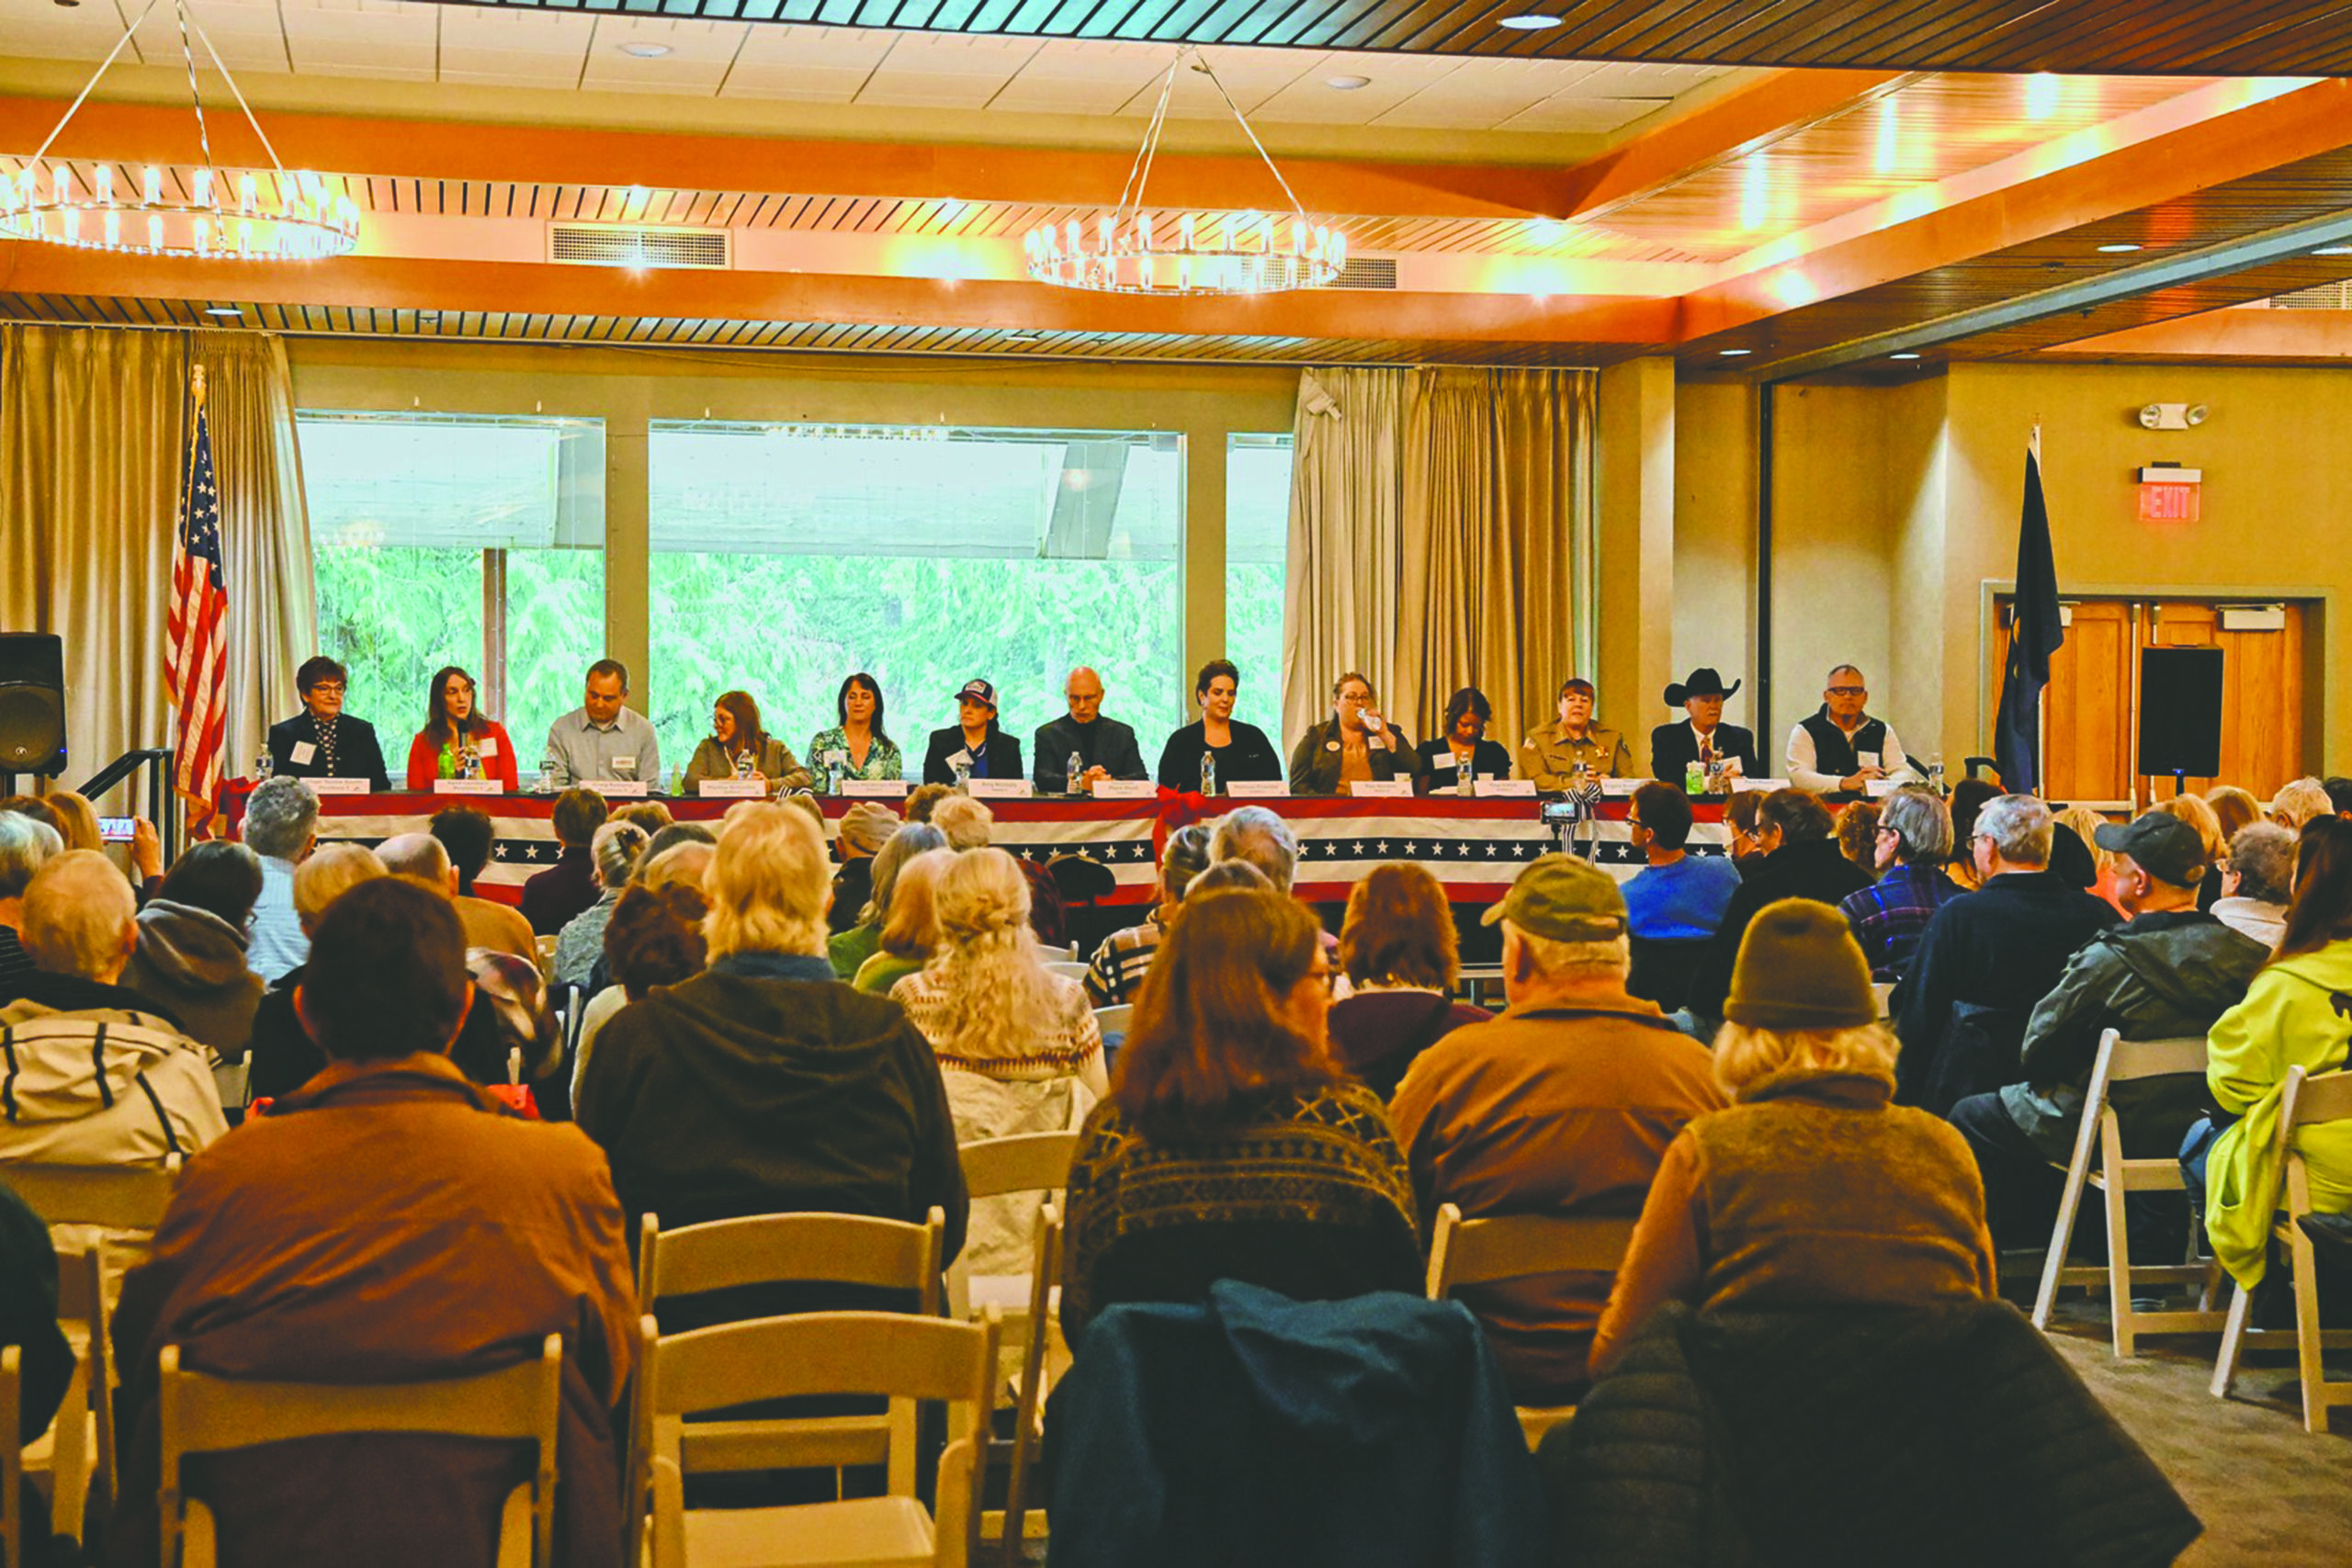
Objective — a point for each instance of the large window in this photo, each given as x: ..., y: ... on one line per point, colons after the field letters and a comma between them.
x: 1256, y: 563
x: 787, y: 556
x: 440, y: 540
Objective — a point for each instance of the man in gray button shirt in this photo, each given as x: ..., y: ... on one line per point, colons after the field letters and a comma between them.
x: 604, y: 737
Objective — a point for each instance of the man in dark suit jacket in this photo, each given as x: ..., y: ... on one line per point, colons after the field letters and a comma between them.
x: 1105, y: 746
x: 322, y: 741
x: 993, y: 753
x: 1703, y: 736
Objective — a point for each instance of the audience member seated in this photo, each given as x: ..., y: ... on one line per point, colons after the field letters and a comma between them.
x: 654, y: 939
x: 1231, y: 1147
x: 470, y: 838
x: 1117, y: 972
x: 1677, y: 895
x: 864, y: 829
x: 2257, y: 883
x: 1562, y: 1106
x: 2193, y: 810
x: 1986, y: 959
x: 966, y: 823
x: 1742, y: 813
x: 1240, y: 876
x: 2168, y: 973
x: 1438, y: 762
x: 924, y: 799
x: 2298, y: 802
x: 1401, y: 957
x: 96, y: 1073
x: 2077, y: 859
x: 669, y: 838
x: 511, y: 1037
x: 764, y: 1085
x: 1812, y: 1190
x: 1017, y: 1045
x: 552, y: 896
x: 1969, y: 796
x: 1799, y: 860
x: 2233, y: 809
x: 2339, y: 793
x: 1858, y: 834
x: 910, y: 931
x: 282, y: 827
x: 284, y: 1057
x: 25, y: 846
x: 1355, y: 743
x: 2294, y: 1015
x: 1260, y: 839
x: 848, y: 951
x: 386, y: 1225
x: 652, y: 815
x: 28, y: 1321
x: 1911, y: 842
x: 191, y: 957
x: 614, y: 848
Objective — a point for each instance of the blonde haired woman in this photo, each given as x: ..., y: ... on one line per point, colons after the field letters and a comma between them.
x: 1017, y: 1045
x: 1813, y: 1190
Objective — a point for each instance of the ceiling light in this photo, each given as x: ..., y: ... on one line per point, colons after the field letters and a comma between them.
x: 1023, y: 338
x: 1346, y: 84
x: 2334, y: 251
x: 223, y: 311
x: 2117, y: 250
x: 646, y: 51
x: 2042, y: 95
x: 1734, y: 352
x: 1534, y: 21
x: 1546, y: 232
x: 1903, y: 356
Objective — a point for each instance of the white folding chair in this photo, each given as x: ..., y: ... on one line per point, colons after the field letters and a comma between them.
x: 1513, y: 1246
x: 1037, y: 1375
x: 2098, y: 1162
x: 2306, y: 1101
x: 997, y: 1168
x: 77, y: 1452
x: 1068, y: 968
x: 201, y: 1413
x: 903, y: 1358
x: 1883, y: 994
x: 129, y: 1198
x: 1117, y: 1020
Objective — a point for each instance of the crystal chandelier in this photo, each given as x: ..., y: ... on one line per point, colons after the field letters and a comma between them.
x: 1129, y: 249
x: 207, y: 212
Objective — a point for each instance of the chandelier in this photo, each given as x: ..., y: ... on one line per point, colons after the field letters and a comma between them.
x: 1129, y: 249
x: 207, y: 212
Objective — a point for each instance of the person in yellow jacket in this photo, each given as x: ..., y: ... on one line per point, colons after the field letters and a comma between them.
x: 2298, y: 1013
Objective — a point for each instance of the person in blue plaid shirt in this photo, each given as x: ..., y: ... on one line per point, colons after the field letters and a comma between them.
x: 1889, y: 915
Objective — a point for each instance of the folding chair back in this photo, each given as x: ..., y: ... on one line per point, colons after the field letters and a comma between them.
x: 848, y: 1249
x: 12, y: 1503
x: 201, y: 1413
x: 903, y: 1358
x: 1068, y: 968
x: 1883, y: 994
x: 1030, y: 1162
x: 130, y: 1198
x: 77, y: 1452
x: 1119, y: 1020
x: 1029, y: 1403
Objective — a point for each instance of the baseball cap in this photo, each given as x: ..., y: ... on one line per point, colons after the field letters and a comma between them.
x: 977, y: 691
x: 1561, y: 897
x: 2167, y: 848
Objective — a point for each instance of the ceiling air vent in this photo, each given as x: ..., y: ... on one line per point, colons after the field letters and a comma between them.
x: 2322, y: 297
x: 639, y: 245
x: 1368, y: 272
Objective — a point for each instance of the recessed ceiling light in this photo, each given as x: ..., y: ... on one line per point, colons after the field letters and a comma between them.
x: 1023, y: 339
x: 1346, y: 84
x: 1903, y: 356
x: 1734, y: 352
x: 2117, y: 250
x: 2334, y: 251
x: 646, y: 51
x: 223, y: 311
x: 1533, y: 21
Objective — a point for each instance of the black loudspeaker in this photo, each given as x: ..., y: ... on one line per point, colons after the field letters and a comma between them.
x: 32, y: 704
x: 2180, y: 711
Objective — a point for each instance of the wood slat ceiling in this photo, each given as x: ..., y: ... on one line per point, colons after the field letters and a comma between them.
x: 2089, y: 36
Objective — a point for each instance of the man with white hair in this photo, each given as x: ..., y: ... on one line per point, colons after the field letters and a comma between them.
x: 1259, y: 838
x: 282, y: 827
x: 1105, y: 748
x: 95, y: 1075
x: 24, y: 845
x: 1986, y: 958
x: 967, y: 822
x: 1561, y: 1105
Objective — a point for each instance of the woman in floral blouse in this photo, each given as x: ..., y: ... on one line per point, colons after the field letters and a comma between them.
x: 858, y: 745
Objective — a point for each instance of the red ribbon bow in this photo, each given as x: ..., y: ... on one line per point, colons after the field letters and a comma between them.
x: 1178, y: 808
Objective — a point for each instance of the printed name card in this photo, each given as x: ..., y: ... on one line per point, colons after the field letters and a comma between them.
x: 1366, y: 789
x: 733, y: 789
x: 874, y: 789
x: 1877, y: 787
x: 466, y: 786
x: 347, y: 787
x: 1126, y: 789
x: 1001, y: 789
x: 619, y: 789
x: 1257, y: 789
x: 1620, y: 789
x: 1766, y: 784
x: 1496, y: 789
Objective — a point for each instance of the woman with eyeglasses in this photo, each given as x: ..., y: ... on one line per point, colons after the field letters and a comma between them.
x: 457, y: 735
x: 322, y: 741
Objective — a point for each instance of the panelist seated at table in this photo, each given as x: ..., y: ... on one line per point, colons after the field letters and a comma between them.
x: 454, y: 726
x: 1354, y: 744
x: 1239, y: 752
x: 1105, y: 748
x: 322, y: 741
x: 974, y: 738
x: 1550, y: 753
x: 604, y: 737
x: 1438, y: 762
x: 737, y: 735
x: 859, y: 745
x: 1843, y: 748
x: 1726, y: 750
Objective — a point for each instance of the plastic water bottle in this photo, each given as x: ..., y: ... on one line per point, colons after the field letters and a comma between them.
x: 1936, y: 774
x: 1461, y: 775
x: 1069, y: 779
x: 963, y: 778
x: 743, y: 769
x: 1209, y: 772
x: 550, y: 774
x: 263, y: 766
x: 1694, y: 777
x: 469, y: 763
x: 836, y: 772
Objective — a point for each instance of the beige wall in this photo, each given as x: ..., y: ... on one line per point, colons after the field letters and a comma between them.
x: 1635, y: 475
x: 1714, y: 543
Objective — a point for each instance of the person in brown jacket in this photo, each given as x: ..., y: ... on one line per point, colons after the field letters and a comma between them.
x: 1563, y: 1105
x: 1813, y: 1190
x: 385, y: 1224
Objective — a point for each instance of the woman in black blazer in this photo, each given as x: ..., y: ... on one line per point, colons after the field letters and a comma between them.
x: 1437, y: 761
x: 994, y: 755
x: 1241, y: 750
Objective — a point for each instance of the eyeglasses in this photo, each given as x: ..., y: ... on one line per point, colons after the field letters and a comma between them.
x: 1329, y: 977
x: 1850, y: 691
x: 328, y: 689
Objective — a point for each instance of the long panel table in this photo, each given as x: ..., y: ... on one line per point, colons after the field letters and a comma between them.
x: 1474, y: 847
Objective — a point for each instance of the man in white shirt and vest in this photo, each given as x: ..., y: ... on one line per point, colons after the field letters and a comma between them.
x: 1842, y: 748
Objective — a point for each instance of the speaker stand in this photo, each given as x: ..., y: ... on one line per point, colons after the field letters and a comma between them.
x: 2179, y: 783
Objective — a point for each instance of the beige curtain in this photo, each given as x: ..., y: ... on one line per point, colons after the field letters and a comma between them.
x: 93, y: 435
x: 1436, y: 516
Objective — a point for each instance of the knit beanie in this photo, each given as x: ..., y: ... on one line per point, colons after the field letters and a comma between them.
x: 1799, y: 968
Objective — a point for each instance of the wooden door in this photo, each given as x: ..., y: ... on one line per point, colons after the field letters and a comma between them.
x: 2087, y: 713
x: 2262, y: 694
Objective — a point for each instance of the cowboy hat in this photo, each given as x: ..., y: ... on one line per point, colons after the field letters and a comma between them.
x: 1703, y: 683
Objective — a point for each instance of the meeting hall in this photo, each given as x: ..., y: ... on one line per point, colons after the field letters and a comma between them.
x: 1546, y: 785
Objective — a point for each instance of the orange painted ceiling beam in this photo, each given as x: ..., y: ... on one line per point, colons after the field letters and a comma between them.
x: 2222, y: 334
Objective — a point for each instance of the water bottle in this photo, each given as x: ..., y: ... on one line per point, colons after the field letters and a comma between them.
x: 836, y: 772
x: 445, y: 766
x: 1936, y: 774
x: 963, y: 778
x: 1694, y: 777
x: 1462, y: 773
x: 263, y: 766
x: 1209, y: 772
x: 1070, y: 780
x: 744, y: 764
x: 469, y: 763
x: 550, y: 774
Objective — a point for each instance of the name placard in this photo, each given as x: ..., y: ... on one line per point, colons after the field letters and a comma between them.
x: 1124, y: 789
x: 1877, y: 787
x: 874, y: 789
x: 1000, y: 789
x: 1620, y: 789
x: 619, y: 789
x: 1388, y: 789
x: 1257, y: 789
x: 1739, y: 785
x: 467, y: 786
x: 353, y: 787
x: 732, y: 789
x: 1496, y: 789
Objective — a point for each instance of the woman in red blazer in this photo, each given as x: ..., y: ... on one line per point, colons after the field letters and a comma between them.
x: 454, y: 723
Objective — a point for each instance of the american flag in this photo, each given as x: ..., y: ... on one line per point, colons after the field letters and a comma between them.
x: 196, y: 665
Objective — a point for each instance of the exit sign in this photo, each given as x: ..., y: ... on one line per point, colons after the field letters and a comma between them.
x: 2169, y: 494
